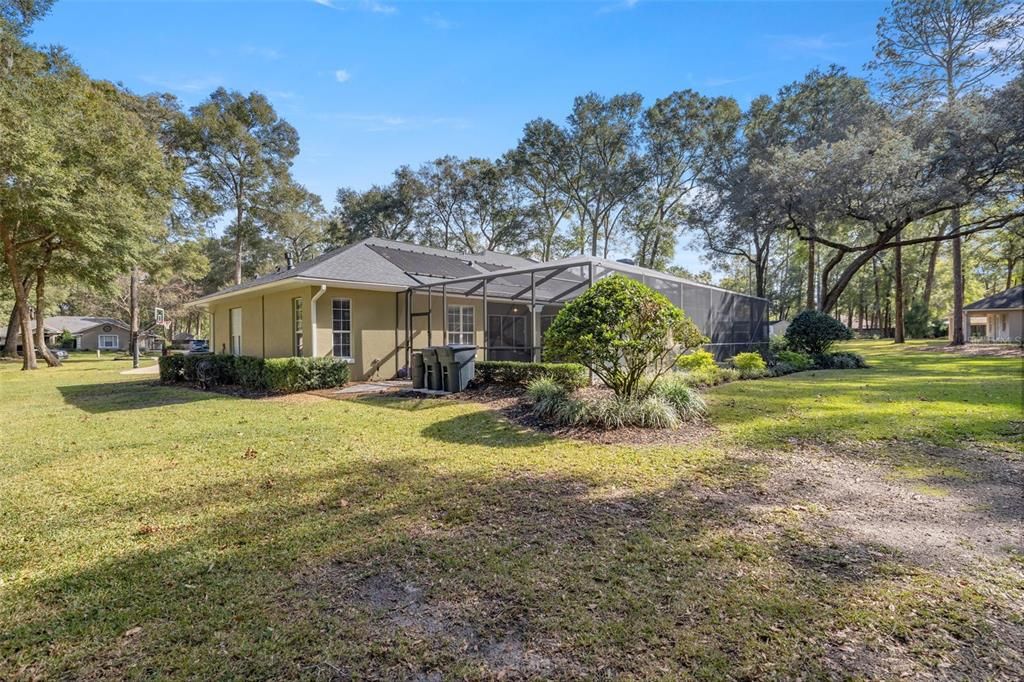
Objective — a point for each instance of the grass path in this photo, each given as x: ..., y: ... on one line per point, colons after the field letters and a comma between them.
x: 158, y: 531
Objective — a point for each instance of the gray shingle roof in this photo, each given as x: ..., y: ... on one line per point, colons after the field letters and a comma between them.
x: 76, y: 325
x: 380, y: 261
x: 1011, y: 298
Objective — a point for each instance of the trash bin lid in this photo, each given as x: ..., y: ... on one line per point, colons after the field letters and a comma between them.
x: 462, y: 346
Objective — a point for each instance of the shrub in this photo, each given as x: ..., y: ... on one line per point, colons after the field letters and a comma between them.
x: 709, y: 376
x: 684, y: 400
x: 289, y: 375
x: 250, y: 373
x: 508, y: 372
x: 814, y: 332
x: 795, y: 359
x: 625, y: 332
x: 750, y: 365
x: 843, y: 360
x: 777, y: 344
x: 695, y: 360
x: 172, y: 367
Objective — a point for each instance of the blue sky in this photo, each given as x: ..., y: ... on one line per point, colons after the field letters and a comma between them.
x: 374, y: 84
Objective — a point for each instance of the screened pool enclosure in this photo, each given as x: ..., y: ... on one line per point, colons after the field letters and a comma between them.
x: 519, y: 304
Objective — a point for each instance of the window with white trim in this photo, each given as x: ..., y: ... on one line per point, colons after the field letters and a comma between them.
x: 297, y: 327
x: 460, y: 324
x: 235, y: 330
x: 341, y: 327
x: 109, y: 341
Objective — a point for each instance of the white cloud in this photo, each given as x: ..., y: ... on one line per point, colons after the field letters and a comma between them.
x: 379, y: 7
x: 798, y: 43
x: 342, y: 76
x: 377, y: 123
x: 198, y: 84
x: 435, y: 20
x: 268, y: 53
x: 325, y: 3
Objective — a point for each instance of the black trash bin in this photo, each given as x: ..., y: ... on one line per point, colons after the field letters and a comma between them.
x: 458, y: 365
x: 418, y: 371
x: 432, y: 369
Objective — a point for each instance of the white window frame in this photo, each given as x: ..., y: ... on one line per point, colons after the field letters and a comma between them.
x: 235, y: 331
x: 460, y: 334
x: 340, y: 336
x: 298, y: 326
x: 103, y: 346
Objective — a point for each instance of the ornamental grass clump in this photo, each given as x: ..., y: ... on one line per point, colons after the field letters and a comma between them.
x: 686, y: 402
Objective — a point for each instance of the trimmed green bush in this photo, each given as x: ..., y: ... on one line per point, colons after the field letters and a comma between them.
x: 813, y: 332
x: 512, y: 373
x: 695, y: 360
x: 289, y: 375
x: 286, y: 375
x: 250, y: 373
x: 840, y: 360
x: 172, y: 367
x: 625, y: 332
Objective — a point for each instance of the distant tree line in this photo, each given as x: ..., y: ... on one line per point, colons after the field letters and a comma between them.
x: 868, y: 198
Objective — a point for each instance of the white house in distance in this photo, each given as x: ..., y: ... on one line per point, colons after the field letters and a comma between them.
x: 999, y: 317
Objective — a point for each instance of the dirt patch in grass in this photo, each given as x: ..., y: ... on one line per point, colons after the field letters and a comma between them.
x: 455, y: 626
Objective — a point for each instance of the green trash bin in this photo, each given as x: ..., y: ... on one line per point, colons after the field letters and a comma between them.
x: 418, y: 371
x: 458, y: 365
x: 432, y: 369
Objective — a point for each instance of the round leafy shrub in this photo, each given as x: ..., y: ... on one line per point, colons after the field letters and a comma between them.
x: 625, y: 332
x: 842, y: 360
x: 750, y: 365
x: 709, y: 376
x: 695, y: 360
x: 814, y: 332
x: 795, y: 359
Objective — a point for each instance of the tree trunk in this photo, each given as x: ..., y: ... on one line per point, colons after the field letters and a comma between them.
x: 50, y: 358
x: 898, y: 334
x: 958, y: 338
x: 13, y: 322
x: 929, y: 279
x: 134, y: 294
x: 238, y: 244
x: 28, y: 351
x: 812, y: 301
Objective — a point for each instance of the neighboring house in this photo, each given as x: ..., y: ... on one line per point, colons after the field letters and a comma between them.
x: 778, y: 328
x: 372, y: 303
x: 999, y: 317
x: 93, y: 333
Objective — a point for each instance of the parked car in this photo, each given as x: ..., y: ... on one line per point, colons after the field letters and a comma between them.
x: 198, y: 346
x: 59, y: 353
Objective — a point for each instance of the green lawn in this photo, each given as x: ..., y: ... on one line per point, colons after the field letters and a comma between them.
x: 150, y: 531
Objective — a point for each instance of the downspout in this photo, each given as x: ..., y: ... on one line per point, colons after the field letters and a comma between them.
x: 312, y: 317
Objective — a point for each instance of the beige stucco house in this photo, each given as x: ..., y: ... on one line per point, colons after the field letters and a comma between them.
x: 372, y: 303
x: 999, y: 317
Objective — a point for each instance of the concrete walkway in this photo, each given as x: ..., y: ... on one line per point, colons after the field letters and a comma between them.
x: 153, y: 369
x: 364, y: 387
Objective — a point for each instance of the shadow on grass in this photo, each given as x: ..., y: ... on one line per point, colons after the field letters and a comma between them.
x: 484, y: 428
x: 129, y: 395
x: 394, y: 570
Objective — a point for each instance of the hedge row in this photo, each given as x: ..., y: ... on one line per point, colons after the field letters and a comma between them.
x: 283, y: 375
x: 509, y: 372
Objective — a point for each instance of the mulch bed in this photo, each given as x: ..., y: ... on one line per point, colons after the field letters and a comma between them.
x: 508, y: 402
